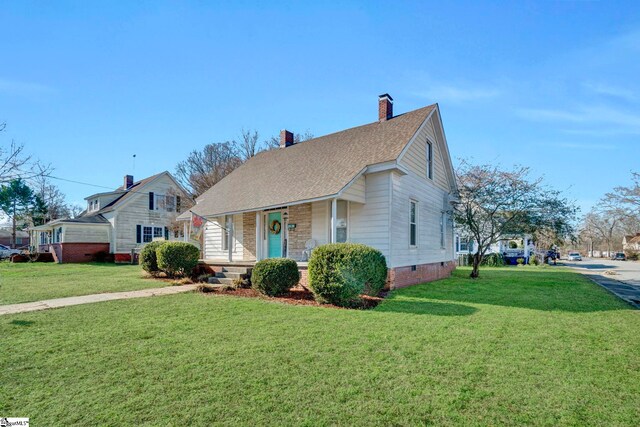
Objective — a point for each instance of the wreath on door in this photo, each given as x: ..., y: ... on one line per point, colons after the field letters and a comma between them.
x: 275, y: 227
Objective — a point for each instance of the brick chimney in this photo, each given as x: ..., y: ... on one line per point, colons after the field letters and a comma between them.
x: 385, y: 107
x: 128, y: 182
x: 286, y: 138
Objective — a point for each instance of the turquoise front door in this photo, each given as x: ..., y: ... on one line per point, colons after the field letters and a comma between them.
x: 274, y: 238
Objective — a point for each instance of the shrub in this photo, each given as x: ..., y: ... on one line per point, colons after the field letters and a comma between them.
x: 340, y: 272
x: 493, y: 260
x: 149, y: 258
x: 520, y: 261
x: 632, y: 255
x: 275, y: 276
x: 177, y: 258
x: 203, y: 278
x: 533, y: 260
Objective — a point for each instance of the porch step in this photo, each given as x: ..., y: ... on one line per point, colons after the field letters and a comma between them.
x: 221, y: 280
x: 230, y: 275
x: 243, y: 270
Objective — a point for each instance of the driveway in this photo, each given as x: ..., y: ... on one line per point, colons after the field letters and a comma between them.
x: 625, y: 283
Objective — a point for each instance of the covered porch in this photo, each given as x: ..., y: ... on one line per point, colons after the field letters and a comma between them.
x: 291, y: 231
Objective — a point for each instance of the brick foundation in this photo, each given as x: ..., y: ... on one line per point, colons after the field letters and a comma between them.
x: 400, y: 277
x: 125, y: 258
x: 77, y: 252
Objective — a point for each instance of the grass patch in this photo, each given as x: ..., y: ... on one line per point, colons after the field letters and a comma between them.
x: 518, y: 346
x: 39, y: 281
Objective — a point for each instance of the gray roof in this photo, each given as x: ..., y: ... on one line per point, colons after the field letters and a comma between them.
x: 310, y: 170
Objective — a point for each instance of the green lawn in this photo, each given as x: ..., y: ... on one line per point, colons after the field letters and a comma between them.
x: 38, y: 281
x: 518, y: 346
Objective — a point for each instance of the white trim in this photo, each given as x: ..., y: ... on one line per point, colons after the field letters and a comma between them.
x: 334, y: 213
x: 415, y: 135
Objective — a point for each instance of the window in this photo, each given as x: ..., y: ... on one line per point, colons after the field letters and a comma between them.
x: 413, y: 223
x: 164, y: 202
x: 342, y: 211
x: 147, y: 234
x: 226, y: 233
x: 429, y: 160
x: 58, y: 235
x: 443, y: 219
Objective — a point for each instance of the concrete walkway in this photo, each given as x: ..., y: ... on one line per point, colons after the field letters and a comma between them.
x: 88, y: 299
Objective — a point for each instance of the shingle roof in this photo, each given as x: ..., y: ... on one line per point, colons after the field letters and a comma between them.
x: 313, y: 169
x: 128, y: 193
x: 633, y: 238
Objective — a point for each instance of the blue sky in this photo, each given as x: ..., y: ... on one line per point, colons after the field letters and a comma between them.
x: 550, y: 85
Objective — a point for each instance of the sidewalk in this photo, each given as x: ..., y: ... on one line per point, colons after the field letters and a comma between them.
x: 88, y: 299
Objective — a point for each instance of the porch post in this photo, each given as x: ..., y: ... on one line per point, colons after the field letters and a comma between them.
x: 258, y: 236
x: 334, y: 219
x: 230, y: 242
x: 185, y: 232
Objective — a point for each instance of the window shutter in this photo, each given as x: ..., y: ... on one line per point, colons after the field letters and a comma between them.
x: 151, y: 201
x: 178, y: 204
x: 138, y: 233
x: 166, y: 233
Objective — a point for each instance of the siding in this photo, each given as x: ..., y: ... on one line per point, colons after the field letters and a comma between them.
x: 356, y: 192
x: 85, y: 234
x: 136, y: 211
x: 415, y: 158
x: 369, y: 222
x: 320, y: 221
x: 213, y: 239
x: 431, y: 202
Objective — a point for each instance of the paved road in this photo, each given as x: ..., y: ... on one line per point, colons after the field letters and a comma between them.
x: 625, y: 283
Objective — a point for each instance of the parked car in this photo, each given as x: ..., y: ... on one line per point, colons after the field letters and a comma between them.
x: 574, y: 256
x: 619, y: 256
x: 6, y: 252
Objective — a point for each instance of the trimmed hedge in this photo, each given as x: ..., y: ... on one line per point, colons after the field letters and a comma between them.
x: 177, y: 258
x: 148, y: 257
x: 275, y: 276
x: 340, y: 272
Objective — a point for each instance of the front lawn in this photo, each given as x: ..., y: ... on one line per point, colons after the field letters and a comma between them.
x: 26, y: 282
x: 518, y: 346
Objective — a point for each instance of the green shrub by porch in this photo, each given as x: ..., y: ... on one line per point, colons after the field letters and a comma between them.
x: 340, y: 272
x: 148, y: 257
x: 275, y: 276
x: 177, y: 258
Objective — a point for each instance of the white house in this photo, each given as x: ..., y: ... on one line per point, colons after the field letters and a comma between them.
x: 631, y: 243
x: 115, y: 222
x: 388, y: 184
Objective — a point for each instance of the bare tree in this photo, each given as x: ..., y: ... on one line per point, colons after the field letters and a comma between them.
x: 203, y: 169
x: 602, y: 225
x: 248, y: 144
x: 54, y: 200
x: 627, y: 198
x: 494, y: 203
x: 15, y: 163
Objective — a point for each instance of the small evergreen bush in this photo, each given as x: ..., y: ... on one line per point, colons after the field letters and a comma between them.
x: 275, y: 276
x: 177, y: 259
x: 148, y: 257
x: 340, y: 272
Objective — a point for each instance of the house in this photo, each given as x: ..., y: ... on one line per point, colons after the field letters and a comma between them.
x: 116, y: 222
x: 631, y: 243
x: 388, y: 184
x: 22, y: 237
x: 511, y: 247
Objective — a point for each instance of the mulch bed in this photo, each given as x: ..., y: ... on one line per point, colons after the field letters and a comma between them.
x: 299, y: 296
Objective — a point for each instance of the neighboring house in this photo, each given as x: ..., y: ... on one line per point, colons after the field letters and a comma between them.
x: 22, y: 237
x: 524, y: 247
x: 388, y: 184
x: 631, y: 243
x: 116, y: 222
